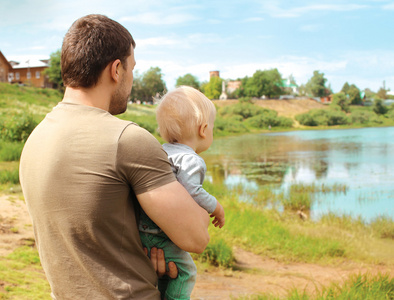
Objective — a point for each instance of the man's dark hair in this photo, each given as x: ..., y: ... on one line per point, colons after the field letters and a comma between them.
x: 91, y: 43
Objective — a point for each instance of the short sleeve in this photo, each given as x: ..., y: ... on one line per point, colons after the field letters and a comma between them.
x: 141, y: 160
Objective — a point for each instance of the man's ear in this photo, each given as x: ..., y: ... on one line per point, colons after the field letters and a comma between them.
x: 114, y: 67
x: 202, y: 130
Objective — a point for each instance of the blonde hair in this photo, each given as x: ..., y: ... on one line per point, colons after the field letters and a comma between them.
x: 181, y: 112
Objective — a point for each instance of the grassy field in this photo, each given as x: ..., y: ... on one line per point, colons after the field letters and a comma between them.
x: 281, y: 236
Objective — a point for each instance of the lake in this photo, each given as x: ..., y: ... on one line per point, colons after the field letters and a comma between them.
x: 360, y: 159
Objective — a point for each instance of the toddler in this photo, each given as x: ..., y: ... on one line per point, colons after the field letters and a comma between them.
x: 186, y: 118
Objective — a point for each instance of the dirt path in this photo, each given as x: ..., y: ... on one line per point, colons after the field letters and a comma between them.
x: 257, y: 275
x: 251, y: 275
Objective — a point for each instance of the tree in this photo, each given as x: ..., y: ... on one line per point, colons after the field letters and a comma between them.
x: 316, y: 86
x: 54, y: 72
x: 213, y: 88
x: 379, y: 108
x: 267, y: 83
x: 382, y: 93
x: 148, y: 85
x: 354, y: 95
x: 345, y: 88
x: 341, y: 100
x: 188, y: 80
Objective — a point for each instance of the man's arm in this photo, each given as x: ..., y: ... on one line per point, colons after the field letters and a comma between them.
x: 178, y: 215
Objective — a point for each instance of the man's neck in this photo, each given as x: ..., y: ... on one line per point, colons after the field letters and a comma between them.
x: 87, y: 96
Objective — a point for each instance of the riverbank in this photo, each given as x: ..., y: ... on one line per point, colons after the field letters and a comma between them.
x: 21, y: 276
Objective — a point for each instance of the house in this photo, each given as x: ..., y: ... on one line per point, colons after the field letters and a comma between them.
x: 29, y: 72
x: 233, y: 85
x: 5, y: 68
x: 289, y: 86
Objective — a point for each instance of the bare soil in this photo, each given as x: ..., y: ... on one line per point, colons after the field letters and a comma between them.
x: 252, y: 274
x: 287, y: 108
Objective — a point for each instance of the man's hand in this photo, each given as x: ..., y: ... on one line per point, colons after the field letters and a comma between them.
x: 159, y: 263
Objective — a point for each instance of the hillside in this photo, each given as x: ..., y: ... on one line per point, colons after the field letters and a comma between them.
x: 286, y: 108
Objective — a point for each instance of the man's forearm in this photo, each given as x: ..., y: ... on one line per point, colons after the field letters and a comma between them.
x: 178, y: 215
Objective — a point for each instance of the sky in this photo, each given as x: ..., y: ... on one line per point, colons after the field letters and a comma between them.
x: 347, y: 40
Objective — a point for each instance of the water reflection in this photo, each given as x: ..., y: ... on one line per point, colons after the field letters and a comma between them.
x: 362, y: 159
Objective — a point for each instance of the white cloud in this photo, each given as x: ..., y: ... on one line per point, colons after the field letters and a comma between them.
x: 253, y: 19
x: 311, y: 28
x: 159, y: 18
x: 276, y: 11
x: 389, y: 6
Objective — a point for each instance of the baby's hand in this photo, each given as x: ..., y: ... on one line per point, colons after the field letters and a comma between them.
x: 218, y: 216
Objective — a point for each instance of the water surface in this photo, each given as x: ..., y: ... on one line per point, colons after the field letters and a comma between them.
x: 361, y: 159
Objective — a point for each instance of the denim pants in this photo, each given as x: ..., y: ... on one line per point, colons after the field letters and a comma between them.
x: 173, y: 289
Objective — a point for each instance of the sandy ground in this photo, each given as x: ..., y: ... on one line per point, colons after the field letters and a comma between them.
x: 252, y: 274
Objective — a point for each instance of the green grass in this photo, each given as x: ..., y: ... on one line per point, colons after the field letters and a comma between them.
x: 21, y: 276
x: 10, y: 151
x: 361, y: 286
x: 285, y: 237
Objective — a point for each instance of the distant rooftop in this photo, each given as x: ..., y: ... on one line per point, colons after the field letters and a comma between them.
x: 30, y: 63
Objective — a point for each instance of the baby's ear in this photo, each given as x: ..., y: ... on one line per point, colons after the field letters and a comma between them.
x: 201, y: 131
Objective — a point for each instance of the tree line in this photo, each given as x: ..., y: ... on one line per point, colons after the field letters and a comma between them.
x: 263, y: 83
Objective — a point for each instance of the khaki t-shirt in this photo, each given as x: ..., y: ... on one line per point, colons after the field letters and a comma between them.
x: 80, y: 171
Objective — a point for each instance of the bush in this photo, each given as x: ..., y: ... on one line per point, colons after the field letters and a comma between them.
x: 269, y: 118
x: 229, y: 125
x: 379, y: 108
x: 218, y: 253
x: 9, y: 176
x: 244, y: 109
x: 17, y: 128
x: 10, y: 151
x: 322, y: 117
x: 361, y: 117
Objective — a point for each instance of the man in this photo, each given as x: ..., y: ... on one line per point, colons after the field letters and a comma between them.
x: 85, y: 174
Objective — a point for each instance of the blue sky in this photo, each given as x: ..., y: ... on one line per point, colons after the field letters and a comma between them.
x: 349, y: 41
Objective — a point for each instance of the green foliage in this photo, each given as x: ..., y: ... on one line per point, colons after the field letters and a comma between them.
x: 218, y: 253
x: 9, y: 176
x: 267, y: 82
x: 316, y: 86
x: 269, y: 118
x: 213, y: 88
x: 322, y: 117
x: 10, y: 151
x: 341, y: 100
x: 253, y: 115
x: 148, y: 85
x: 230, y: 125
x: 54, y: 72
x: 362, y: 117
x: 188, y: 80
x: 354, y: 95
x: 244, y: 109
x: 345, y: 88
x: 379, y: 108
x: 16, y: 127
x: 382, y: 93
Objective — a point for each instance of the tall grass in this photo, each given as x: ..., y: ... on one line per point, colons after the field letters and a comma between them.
x: 10, y: 151
x: 361, y: 286
x: 262, y: 228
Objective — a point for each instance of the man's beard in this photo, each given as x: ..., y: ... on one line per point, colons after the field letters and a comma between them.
x: 119, y: 100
